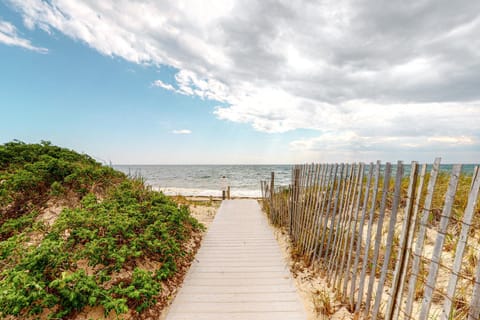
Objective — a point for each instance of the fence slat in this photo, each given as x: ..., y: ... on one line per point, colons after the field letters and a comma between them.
x: 369, y: 236
x: 334, y: 212
x: 360, y: 236
x: 352, y: 227
x: 341, y: 246
x: 322, y: 213
x: 407, y: 228
x: 412, y: 227
x: 319, y: 196
x: 311, y: 208
x: 474, y: 312
x: 461, y: 244
x: 337, y: 226
x: 378, y: 236
x: 421, y: 238
x: 320, y: 245
x: 437, y: 250
x: 310, y: 175
x: 389, y: 244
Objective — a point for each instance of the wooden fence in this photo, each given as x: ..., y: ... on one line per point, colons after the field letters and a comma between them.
x: 391, y: 245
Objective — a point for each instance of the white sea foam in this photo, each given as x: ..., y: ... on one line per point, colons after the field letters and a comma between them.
x: 206, y: 180
x: 208, y: 193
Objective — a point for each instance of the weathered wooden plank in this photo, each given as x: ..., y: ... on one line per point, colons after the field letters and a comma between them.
x: 353, y: 230
x: 343, y: 211
x: 333, y: 214
x: 360, y: 237
x: 373, y: 206
x: 324, y: 225
x: 461, y: 244
x: 474, y: 312
x: 421, y: 238
x: 412, y: 228
x: 352, y: 202
x: 378, y: 237
x: 437, y: 249
x: 296, y: 200
x: 301, y: 211
x: 312, y: 190
x: 320, y: 209
x: 389, y: 243
x: 336, y: 226
x: 407, y: 228
x: 315, y: 209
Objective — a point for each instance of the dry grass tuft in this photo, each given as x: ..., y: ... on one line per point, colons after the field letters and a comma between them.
x: 323, y: 303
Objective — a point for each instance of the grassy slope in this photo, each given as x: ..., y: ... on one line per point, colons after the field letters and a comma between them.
x: 96, y: 251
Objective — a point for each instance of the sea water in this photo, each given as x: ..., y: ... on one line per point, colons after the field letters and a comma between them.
x: 206, y: 180
x: 244, y: 180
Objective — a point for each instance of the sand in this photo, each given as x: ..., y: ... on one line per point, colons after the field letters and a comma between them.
x: 319, y: 300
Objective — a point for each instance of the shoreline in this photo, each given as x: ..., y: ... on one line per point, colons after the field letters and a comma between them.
x: 209, y: 198
x: 207, y: 193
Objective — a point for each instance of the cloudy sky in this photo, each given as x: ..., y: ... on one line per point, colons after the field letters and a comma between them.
x: 225, y: 81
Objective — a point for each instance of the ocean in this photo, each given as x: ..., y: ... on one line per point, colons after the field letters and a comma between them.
x: 205, y: 180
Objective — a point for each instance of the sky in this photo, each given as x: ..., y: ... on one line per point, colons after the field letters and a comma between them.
x: 243, y: 82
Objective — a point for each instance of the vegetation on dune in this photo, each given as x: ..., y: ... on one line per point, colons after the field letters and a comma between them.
x: 100, y: 248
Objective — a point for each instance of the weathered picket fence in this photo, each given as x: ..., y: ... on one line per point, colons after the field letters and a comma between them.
x: 392, y: 246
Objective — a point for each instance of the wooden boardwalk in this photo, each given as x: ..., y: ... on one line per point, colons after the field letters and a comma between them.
x: 239, y: 272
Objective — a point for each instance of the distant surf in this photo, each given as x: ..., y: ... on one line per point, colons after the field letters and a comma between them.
x: 205, y: 180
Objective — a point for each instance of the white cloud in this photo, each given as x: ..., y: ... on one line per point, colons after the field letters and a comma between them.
x: 368, y: 75
x: 10, y: 37
x: 182, y: 131
x: 161, y: 84
x: 348, y: 140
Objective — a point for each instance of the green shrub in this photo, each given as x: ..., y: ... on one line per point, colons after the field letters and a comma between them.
x: 116, y: 222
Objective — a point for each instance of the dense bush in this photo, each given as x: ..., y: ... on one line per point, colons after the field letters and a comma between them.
x: 90, y: 256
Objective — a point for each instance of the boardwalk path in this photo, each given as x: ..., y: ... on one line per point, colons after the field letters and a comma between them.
x: 239, y: 272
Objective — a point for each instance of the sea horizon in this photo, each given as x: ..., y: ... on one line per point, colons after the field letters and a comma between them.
x: 244, y: 179
x: 205, y: 180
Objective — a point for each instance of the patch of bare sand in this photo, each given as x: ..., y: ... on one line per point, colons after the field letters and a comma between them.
x: 319, y: 300
x: 47, y: 216
x: 203, y: 213
x: 50, y: 214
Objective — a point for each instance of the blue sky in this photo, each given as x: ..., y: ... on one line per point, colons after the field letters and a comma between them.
x: 178, y: 84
